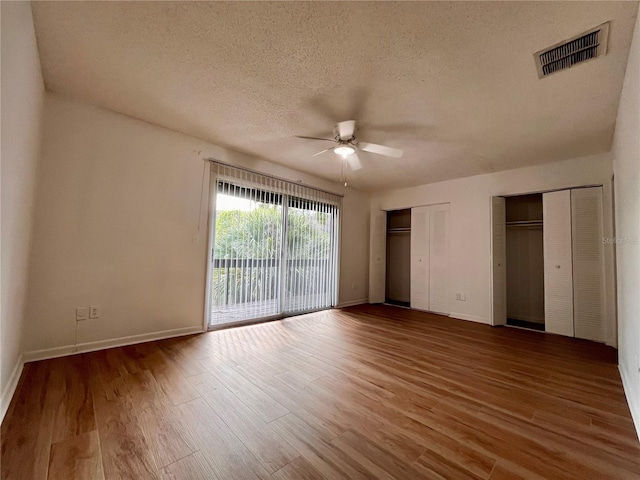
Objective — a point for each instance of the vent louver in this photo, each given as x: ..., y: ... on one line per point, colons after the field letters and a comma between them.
x: 583, y: 47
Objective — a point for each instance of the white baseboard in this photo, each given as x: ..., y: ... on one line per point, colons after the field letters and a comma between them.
x: 631, y: 400
x: 352, y: 303
x: 104, y: 344
x: 471, y: 318
x: 10, y: 388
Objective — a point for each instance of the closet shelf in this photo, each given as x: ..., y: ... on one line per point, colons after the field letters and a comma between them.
x: 399, y: 230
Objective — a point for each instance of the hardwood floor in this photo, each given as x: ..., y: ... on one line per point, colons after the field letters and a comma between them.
x: 364, y: 392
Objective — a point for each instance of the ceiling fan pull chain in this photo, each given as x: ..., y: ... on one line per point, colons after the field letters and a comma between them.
x: 343, y: 173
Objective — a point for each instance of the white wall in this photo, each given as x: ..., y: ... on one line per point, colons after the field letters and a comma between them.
x: 117, y: 209
x: 470, y: 215
x: 22, y: 95
x: 626, y: 167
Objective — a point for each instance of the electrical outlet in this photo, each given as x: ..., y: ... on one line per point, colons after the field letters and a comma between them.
x: 94, y: 312
x: 461, y: 297
x: 82, y: 313
x: 353, y: 286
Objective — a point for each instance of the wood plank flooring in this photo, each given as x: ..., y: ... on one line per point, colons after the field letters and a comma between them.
x: 359, y: 393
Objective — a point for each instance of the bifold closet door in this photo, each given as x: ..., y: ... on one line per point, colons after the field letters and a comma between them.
x: 420, y: 274
x: 558, y: 264
x: 499, y: 261
x: 377, y: 256
x: 439, y: 259
x: 588, y: 263
x: 430, y: 258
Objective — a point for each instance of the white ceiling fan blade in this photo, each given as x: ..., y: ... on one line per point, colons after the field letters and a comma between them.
x: 346, y: 129
x: 380, y: 149
x: 315, y: 138
x: 354, y: 162
x: 319, y: 153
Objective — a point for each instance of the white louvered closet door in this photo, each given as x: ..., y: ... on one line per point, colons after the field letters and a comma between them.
x: 377, y: 258
x: 439, y: 259
x: 420, y: 258
x: 558, y: 265
x: 499, y: 261
x: 588, y: 263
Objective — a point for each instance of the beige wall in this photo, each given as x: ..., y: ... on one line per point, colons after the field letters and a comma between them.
x: 470, y: 234
x: 626, y: 167
x: 117, y: 209
x: 22, y: 94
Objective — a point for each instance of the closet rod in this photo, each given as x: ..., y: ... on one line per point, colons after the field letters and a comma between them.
x: 525, y: 222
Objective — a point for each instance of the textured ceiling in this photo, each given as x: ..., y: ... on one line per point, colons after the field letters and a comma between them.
x: 452, y: 83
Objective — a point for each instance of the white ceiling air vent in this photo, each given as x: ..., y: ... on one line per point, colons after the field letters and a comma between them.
x: 578, y: 49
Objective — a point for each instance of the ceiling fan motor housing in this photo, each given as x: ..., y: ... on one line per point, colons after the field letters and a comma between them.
x: 346, y: 130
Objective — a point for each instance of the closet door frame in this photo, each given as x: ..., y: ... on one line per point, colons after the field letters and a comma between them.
x: 609, y: 286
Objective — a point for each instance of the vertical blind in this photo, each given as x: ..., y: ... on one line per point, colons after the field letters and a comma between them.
x: 274, y: 249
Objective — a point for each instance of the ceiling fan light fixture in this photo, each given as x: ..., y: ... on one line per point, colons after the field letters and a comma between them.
x: 344, y: 151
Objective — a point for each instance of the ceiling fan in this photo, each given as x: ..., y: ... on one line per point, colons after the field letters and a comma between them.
x: 347, y: 145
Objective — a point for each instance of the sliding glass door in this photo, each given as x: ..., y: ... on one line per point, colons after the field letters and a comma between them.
x: 310, y: 261
x: 274, y: 248
x: 246, y: 266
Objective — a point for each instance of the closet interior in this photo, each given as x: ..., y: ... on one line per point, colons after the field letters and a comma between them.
x: 525, y: 261
x: 398, y: 268
x: 409, y: 258
x: 548, y: 262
